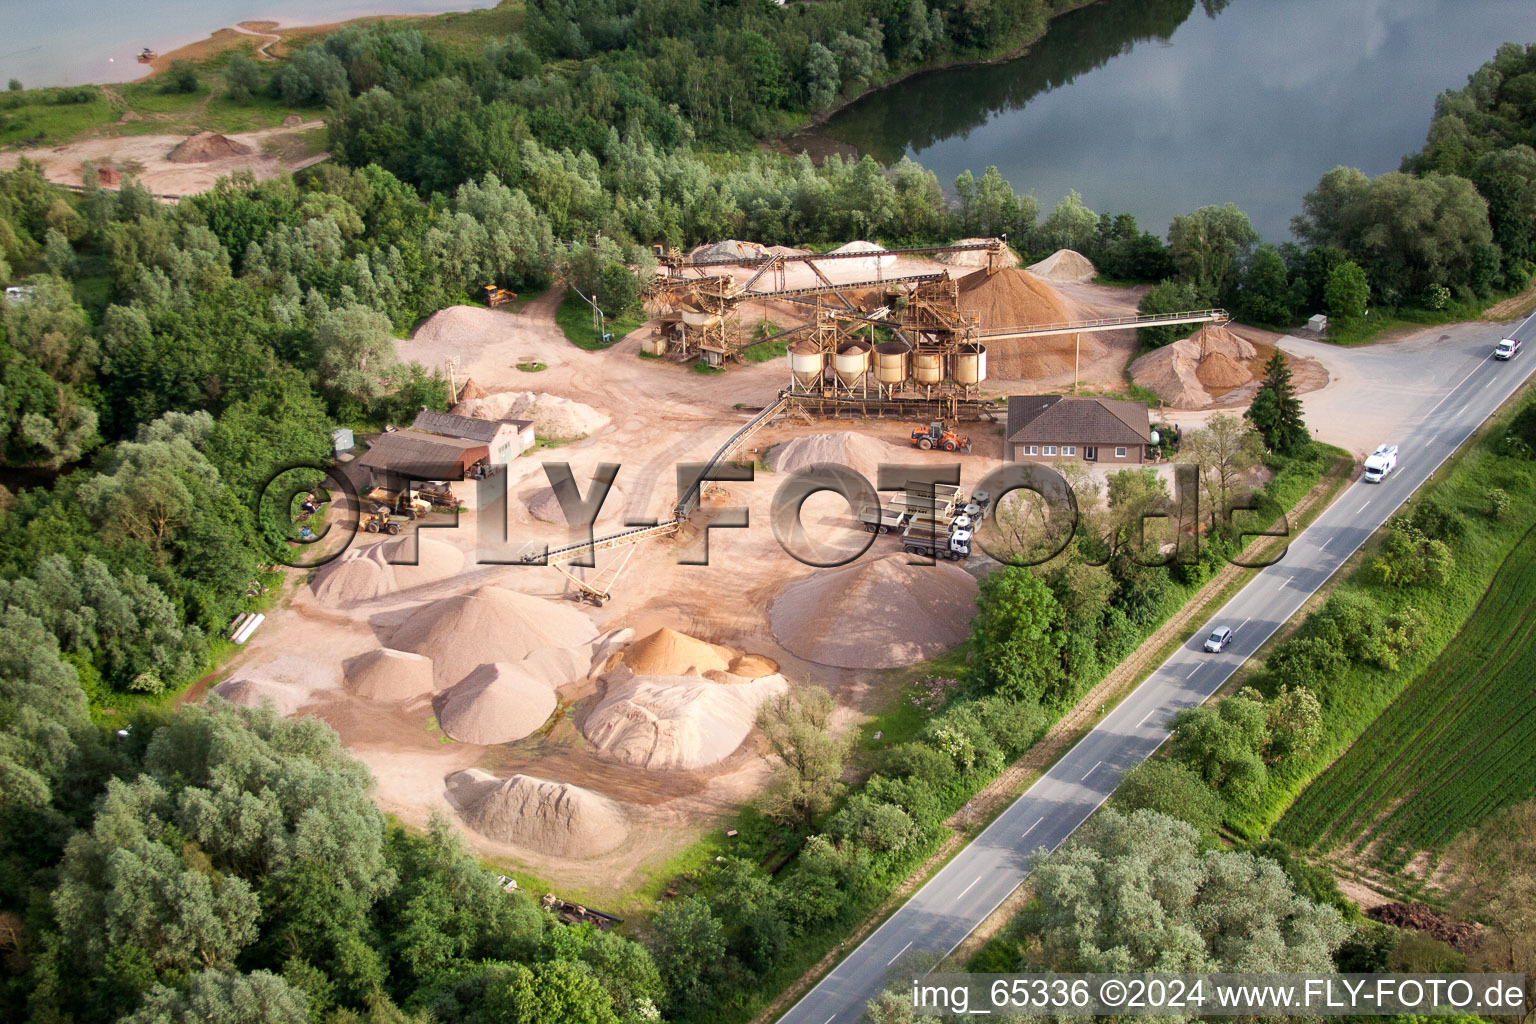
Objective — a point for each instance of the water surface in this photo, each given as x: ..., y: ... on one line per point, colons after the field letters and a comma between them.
x: 1152, y: 107
x: 74, y: 42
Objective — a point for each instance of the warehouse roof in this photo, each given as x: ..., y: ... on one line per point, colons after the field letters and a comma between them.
x: 422, y: 456
x: 447, y: 424
x: 1059, y: 419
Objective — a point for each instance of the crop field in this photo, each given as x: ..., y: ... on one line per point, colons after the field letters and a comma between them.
x: 1459, y: 744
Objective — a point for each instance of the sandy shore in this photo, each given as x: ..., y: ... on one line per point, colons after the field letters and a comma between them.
x: 273, y: 40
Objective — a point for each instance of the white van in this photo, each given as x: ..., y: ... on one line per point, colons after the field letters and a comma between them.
x: 1380, y: 462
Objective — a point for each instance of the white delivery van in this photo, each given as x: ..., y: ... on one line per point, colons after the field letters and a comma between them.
x: 1380, y: 462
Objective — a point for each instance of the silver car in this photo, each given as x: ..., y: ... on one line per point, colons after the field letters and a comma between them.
x: 1218, y: 639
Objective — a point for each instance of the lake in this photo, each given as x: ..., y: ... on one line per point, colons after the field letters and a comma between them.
x: 75, y: 42
x: 1154, y: 107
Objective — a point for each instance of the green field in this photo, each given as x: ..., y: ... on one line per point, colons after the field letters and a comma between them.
x: 1459, y: 744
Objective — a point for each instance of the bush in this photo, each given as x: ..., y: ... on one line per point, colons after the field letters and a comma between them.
x: 1171, y: 788
x: 1498, y: 503
x: 182, y: 78
x: 1410, y: 559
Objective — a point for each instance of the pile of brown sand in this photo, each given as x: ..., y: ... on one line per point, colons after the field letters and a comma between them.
x: 471, y: 391
x: 667, y: 652
x: 378, y: 570
x: 287, y: 681
x: 292, y: 121
x: 554, y: 818
x: 875, y: 614
x: 1017, y: 298
x: 1220, y: 372
x: 386, y: 674
x: 545, y: 507
x: 1065, y: 266
x: 1193, y: 372
x: 487, y: 625
x: 858, y: 452
x: 977, y: 257
x: 753, y: 666
x: 206, y: 146
x: 552, y: 416
x: 675, y: 722
x: 496, y: 703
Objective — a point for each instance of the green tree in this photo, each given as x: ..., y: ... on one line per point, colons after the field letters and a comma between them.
x: 1172, y: 788
x: 1209, y: 249
x: 1210, y: 911
x: 559, y: 992
x: 1264, y: 294
x: 182, y: 77
x: 822, y: 77
x: 1224, y: 745
x: 1167, y: 297
x: 355, y: 351
x: 224, y: 997
x: 242, y: 78
x: 1348, y: 292
x: 1071, y: 225
x: 1276, y: 411
x: 689, y: 945
x: 1017, y: 637
x: 797, y: 727
x: 1223, y: 451
x: 1294, y: 723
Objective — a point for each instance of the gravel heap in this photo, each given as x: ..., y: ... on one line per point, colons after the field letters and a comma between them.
x: 858, y: 452
x: 875, y: 614
x: 496, y: 703
x: 554, y: 818
x: 552, y: 416
x: 387, y: 674
x: 489, y: 625
x: 1065, y: 266
x: 1017, y: 298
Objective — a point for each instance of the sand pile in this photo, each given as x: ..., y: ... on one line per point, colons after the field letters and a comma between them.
x: 860, y: 269
x: 552, y: 416
x: 675, y: 722
x: 386, y: 674
x: 667, y: 652
x: 292, y: 121
x: 206, y: 146
x: 378, y: 570
x: 551, y: 817
x: 875, y: 614
x: 785, y: 250
x: 977, y: 257
x: 1192, y: 372
x: 288, y: 681
x: 1065, y: 266
x: 489, y: 625
x: 545, y: 507
x: 496, y: 703
x: 730, y: 249
x: 471, y: 391
x: 1017, y: 298
x: 858, y: 452
x: 753, y: 666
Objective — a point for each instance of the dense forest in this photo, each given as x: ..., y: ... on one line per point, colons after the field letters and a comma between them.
x: 165, y: 360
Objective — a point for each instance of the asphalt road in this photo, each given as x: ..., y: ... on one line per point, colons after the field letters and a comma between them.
x: 967, y: 889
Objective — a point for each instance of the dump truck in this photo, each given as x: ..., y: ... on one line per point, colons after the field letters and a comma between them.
x: 882, y: 518
x: 1380, y: 462
x: 936, y: 435
x: 939, y: 538
x: 495, y: 296
x: 409, y: 503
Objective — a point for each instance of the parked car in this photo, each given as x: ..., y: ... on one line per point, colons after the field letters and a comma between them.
x: 1507, y: 349
x: 1218, y: 639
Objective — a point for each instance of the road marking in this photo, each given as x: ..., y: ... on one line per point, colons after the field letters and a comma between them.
x: 1139, y: 724
x: 1459, y: 383
x: 1192, y: 672
x: 1363, y: 507
x: 1037, y: 821
x: 1245, y: 622
x: 1324, y: 545
x: 830, y: 1019
x: 892, y: 960
x: 967, y: 889
x: 1090, y: 771
x: 1431, y: 439
x: 1486, y: 386
x: 1289, y: 580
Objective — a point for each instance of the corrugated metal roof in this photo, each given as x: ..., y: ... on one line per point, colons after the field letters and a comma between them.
x: 1060, y: 419
x: 422, y: 456
x: 449, y: 425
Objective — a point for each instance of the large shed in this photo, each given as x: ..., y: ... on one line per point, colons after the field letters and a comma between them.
x: 506, y: 439
x: 396, y: 459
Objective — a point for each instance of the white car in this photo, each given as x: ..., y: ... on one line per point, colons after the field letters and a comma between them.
x: 1218, y: 639
x: 1507, y: 349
